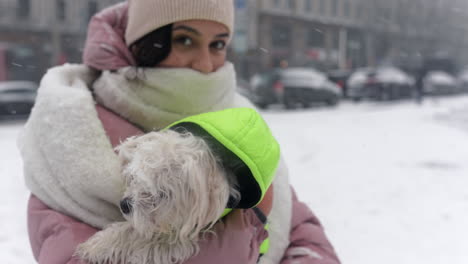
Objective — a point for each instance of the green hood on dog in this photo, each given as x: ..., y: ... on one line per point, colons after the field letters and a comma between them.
x: 243, y: 141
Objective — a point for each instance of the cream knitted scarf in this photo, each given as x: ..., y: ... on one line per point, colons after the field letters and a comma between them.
x: 69, y: 162
x: 155, y: 98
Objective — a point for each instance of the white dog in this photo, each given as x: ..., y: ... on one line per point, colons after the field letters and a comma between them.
x: 176, y: 190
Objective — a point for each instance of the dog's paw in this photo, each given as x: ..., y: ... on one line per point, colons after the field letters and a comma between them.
x: 106, y: 246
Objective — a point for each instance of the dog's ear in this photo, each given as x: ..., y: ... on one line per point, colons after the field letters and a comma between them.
x: 134, y: 149
x: 220, y: 188
x: 197, y: 181
x: 127, y: 149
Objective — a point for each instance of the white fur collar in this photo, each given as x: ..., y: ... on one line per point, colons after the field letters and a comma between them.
x: 70, y: 164
x: 61, y: 144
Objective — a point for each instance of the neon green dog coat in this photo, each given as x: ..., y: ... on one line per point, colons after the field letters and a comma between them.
x: 243, y: 141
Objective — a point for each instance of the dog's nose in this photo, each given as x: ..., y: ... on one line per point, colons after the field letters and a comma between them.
x: 126, y: 205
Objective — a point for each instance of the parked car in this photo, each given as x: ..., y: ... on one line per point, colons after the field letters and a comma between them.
x: 340, y: 77
x: 20, y: 62
x: 439, y: 83
x: 383, y: 83
x: 17, y: 97
x: 243, y: 88
x: 293, y: 87
x: 463, y: 80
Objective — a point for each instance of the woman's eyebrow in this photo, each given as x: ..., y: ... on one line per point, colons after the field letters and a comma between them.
x: 223, y: 35
x: 194, y: 31
x: 186, y: 28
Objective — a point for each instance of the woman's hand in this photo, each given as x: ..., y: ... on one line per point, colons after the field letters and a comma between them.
x: 236, y: 239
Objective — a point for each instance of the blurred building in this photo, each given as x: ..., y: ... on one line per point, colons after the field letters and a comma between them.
x: 346, y: 34
x: 317, y: 33
x: 36, y: 34
x: 325, y: 34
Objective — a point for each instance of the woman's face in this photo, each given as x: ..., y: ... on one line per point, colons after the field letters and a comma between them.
x: 197, y: 44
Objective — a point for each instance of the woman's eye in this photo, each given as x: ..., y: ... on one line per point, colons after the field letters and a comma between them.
x: 184, y: 41
x: 218, y: 45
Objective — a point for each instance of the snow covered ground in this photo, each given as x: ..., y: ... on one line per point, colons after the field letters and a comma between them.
x: 388, y: 181
x: 14, y: 243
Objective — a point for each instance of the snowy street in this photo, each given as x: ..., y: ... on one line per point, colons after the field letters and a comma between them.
x: 388, y: 181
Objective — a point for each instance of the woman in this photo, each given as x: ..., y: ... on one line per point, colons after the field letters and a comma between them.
x: 171, y: 65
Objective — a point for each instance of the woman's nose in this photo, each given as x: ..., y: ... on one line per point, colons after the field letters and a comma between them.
x: 203, y: 62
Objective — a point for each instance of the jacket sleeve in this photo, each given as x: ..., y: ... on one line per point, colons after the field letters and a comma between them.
x: 54, y: 237
x: 308, y: 242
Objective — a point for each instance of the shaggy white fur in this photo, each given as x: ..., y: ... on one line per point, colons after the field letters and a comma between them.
x: 61, y: 144
x: 70, y: 165
x: 176, y: 189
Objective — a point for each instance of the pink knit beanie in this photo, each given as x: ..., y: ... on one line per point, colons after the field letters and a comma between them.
x: 144, y: 16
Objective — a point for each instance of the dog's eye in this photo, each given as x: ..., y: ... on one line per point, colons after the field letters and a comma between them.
x: 163, y: 196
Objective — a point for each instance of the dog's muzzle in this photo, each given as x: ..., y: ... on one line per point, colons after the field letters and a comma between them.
x: 126, y: 206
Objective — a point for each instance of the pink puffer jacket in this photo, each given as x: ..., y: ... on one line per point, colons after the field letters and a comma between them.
x: 55, y: 236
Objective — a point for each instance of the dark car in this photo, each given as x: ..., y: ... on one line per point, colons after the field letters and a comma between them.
x: 383, y: 83
x: 293, y: 87
x: 17, y: 98
x: 463, y: 80
x: 440, y: 83
x: 340, y: 77
x: 244, y: 88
